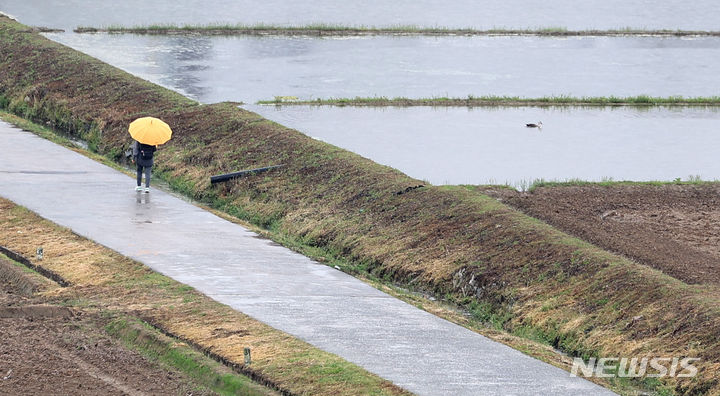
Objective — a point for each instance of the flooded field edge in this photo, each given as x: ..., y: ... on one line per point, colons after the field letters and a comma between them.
x: 509, y: 269
x: 495, y: 145
x: 340, y: 30
x: 486, y: 101
x: 610, y: 14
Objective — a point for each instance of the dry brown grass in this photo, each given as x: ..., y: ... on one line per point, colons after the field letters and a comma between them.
x: 102, y: 279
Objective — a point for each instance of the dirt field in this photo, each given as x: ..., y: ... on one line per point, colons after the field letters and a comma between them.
x: 50, y: 349
x: 674, y: 228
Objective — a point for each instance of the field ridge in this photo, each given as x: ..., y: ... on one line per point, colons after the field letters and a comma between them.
x: 262, y: 29
x: 487, y: 101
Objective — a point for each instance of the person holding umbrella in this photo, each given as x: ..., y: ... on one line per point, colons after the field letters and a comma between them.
x: 143, y: 157
x: 148, y: 133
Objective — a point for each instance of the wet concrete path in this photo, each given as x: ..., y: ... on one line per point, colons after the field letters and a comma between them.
x: 323, y: 306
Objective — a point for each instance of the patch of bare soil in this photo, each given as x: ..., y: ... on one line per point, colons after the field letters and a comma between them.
x: 49, y: 349
x: 673, y: 228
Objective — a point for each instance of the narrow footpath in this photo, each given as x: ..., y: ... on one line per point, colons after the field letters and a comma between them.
x: 316, y: 303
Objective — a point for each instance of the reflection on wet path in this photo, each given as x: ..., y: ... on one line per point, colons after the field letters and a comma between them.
x: 143, y: 198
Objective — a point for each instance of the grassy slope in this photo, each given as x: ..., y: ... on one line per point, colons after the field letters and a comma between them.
x: 509, y: 269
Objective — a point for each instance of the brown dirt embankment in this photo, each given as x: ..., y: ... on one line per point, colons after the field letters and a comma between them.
x: 509, y: 269
x: 674, y: 228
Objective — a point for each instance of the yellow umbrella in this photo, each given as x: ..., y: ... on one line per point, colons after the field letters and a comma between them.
x: 150, y: 130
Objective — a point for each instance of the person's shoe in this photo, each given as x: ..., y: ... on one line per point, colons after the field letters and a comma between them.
x: 138, y: 188
x: 147, y: 189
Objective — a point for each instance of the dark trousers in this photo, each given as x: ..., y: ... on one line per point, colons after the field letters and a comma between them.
x: 147, y: 170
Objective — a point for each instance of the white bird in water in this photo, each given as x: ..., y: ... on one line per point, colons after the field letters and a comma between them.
x: 538, y: 125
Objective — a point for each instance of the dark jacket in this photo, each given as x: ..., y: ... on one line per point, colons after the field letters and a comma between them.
x: 143, y: 154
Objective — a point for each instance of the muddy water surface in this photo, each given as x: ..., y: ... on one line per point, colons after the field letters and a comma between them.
x: 606, y: 14
x: 493, y: 145
x: 248, y: 69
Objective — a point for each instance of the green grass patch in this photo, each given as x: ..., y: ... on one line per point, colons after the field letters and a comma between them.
x: 691, y: 180
x: 159, y: 348
x: 349, y: 30
x: 479, y: 101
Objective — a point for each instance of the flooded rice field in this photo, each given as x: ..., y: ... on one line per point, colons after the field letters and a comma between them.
x: 493, y: 146
x: 571, y: 14
x: 248, y: 69
x: 440, y: 145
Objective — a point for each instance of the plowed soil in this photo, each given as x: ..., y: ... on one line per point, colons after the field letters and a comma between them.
x: 53, y: 350
x: 674, y: 228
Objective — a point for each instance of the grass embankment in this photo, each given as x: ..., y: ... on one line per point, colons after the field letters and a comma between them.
x: 205, y: 374
x: 343, y: 30
x: 479, y: 101
x: 691, y: 180
x: 509, y: 270
x: 132, y: 297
